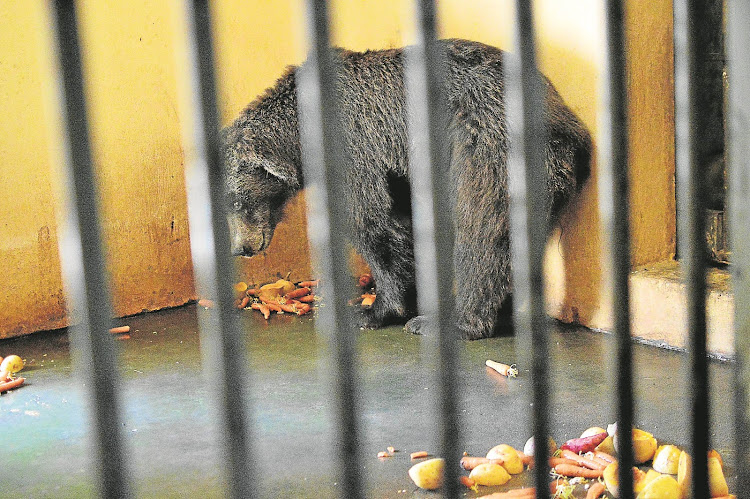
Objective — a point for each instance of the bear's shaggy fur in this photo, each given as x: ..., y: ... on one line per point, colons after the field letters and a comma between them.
x: 261, y: 150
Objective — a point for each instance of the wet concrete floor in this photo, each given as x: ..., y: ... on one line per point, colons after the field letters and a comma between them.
x: 44, y: 427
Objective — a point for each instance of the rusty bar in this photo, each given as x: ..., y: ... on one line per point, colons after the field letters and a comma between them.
x: 222, y: 338
x: 84, y: 268
x: 321, y: 135
x: 433, y: 248
x: 527, y: 188
x: 614, y: 205
x: 689, y: 55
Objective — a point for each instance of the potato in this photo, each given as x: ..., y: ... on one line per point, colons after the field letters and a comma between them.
x: 684, y: 473
x: 428, y: 474
x: 12, y: 364
x: 717, y: 484
x: 489, y: 474
x: 612, y: 480
x: 662, y: 487
x: 666, y: 459
x: 644, y: 445
x: 511, y: 462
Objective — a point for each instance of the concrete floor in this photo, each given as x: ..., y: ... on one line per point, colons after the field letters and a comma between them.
x: 168, y: 423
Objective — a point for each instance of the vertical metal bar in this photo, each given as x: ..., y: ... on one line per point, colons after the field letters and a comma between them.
x: 527, y: 186
x: 84, y: 268
x: 615, y: 212
x: 222, y: 338
x: 689, y: 53
x: 433, y: 249
x: 738, y: 124
x: 323, y: 158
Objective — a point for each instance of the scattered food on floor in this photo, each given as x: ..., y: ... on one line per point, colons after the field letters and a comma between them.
x: 508, y: 370
x: 9, y: 366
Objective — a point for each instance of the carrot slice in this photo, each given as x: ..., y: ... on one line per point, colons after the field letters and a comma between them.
x: 9, y: 385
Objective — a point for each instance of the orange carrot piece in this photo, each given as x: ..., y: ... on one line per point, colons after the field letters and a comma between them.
x: 272, y: 305
x: 383, y: 454
x: 506, y: 370
x: 526, y: 460
x: 470, y: 462
x: 390, y: 449
x: 419, y: 454
x: 309, y: 284
x: 119, y: 329
x: 303, y: 308
x: 244, y: 302
x: 607, y: 457
x: 466, y: 481
x: 206, y: 303
x: 263, y: 309
x: 571, y: 470
x: 307, y: 298
x: 554, y: 461
x: 251, y: 292
x: 9, y: 385
x: 582, y: 460
x: 596, y: 490
x: 368, y: 299
x: 297, y: 293
x: 121, y: 337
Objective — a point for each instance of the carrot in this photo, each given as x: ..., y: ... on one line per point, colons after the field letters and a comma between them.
x: 263, y: 309
x: 252, y: 292
x: 297, y: 293
x: 512, y: 494
x: 303, y: 308
x: 307, y: 298
x: 309, y: 284
x: 526, y: 460
x: 122, y: 337
x: 470, y: 462
x: 506, y: 370
x: 596, y: 490
x: 119, y: 329
x: 582, y: 460
x: 9, y: 385
x: 244, y: 302
x: 419, y: 454
x: 466, y: 481
x: 272, y: 305
x: 368, y: 299
x: 554, y: 461
x: 577, y: 471
x: 390, y: 449
x: 599, y: 460
x: 383, y: 454
x: 205, y: 303
x: 604, y: 456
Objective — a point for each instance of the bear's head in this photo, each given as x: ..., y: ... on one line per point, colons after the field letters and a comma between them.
x: 256, y: 190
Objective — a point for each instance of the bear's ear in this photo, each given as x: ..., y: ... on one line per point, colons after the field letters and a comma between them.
x: 283, y: 171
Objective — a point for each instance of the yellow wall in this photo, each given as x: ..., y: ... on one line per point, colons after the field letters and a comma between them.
x: 130, y: 53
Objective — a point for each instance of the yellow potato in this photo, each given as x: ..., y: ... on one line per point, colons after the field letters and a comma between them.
x: 428, y: 474
x: 612, y: 481
x: 489, y: 474
x: 666, y: 459
x: 651, y: 475
x: 594, y: 430
x: 717, y: 484
x: 662, y: 487
x: 644, y: 445
x: 607, y: 445
x: 12, y: 364
x: 511, y: 462
x: 684, y: 473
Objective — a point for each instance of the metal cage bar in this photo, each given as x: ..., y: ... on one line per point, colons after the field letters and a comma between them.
x: 431, y: 194
x: 222, y: 338
x: 321, y: 135
x: 527, y: 187
x: 689, y: 54
x: 738, y: 171
x: 614, y: 206
x: 84, y: 267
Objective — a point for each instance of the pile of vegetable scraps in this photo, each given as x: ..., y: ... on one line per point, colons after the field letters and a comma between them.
x: 9, y: 366
x: 586, y: 466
